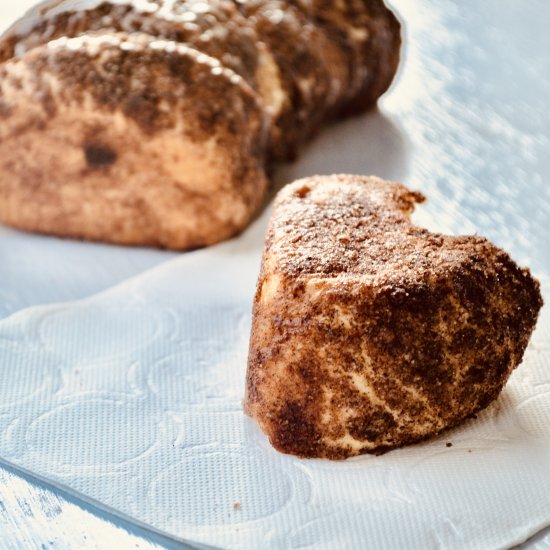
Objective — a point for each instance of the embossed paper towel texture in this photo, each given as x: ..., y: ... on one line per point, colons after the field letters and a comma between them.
x: 134, y: 397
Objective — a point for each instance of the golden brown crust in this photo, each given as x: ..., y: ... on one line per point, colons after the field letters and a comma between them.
x: 131, y: 140
x: 370, y: 333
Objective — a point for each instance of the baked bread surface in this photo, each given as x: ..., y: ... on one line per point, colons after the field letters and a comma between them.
x: 370, y: 333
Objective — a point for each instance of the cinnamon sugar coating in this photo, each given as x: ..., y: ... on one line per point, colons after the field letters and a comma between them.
x: 313, y: 71
x: 255, y: 81
x: 370, y: 333
x: 213, y: 27
x: 308, y: 61
x: 129, y: 139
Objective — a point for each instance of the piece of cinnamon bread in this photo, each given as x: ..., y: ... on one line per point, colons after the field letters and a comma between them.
x: 370, y: 333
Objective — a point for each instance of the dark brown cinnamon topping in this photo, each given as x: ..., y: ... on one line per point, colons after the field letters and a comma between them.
x: 144, y: 77
x: 332, y: 58
x: 369, y: 33
x: 370, y: 333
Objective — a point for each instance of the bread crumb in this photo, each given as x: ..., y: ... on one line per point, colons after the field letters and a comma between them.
x: 237, y: 506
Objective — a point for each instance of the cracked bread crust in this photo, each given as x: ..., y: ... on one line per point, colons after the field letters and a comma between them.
x: 131, y: 140
x: 370, y: 333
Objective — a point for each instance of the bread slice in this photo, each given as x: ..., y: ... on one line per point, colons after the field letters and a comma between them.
x: 312, y: 68
x: 370, y: 34
x: 370, y: 333
x: 129, y: 139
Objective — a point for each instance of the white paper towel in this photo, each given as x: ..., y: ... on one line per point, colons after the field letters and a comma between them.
x: 35, y: 269
x: 133, y: 397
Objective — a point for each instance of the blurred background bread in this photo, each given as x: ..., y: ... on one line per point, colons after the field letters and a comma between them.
x: 154, y: 123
